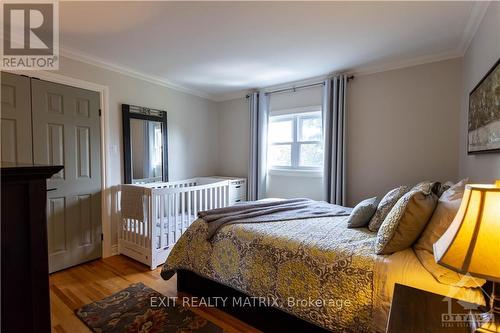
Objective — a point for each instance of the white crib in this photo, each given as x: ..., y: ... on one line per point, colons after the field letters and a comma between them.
x: 167, y: 210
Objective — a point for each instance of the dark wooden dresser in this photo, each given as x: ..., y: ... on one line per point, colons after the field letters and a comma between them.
x: 25, y: 274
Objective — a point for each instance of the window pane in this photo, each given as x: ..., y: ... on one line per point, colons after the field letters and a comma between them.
x: 280, y: 155
x: 311, y: 155
x: 280, y: 131
x: 310, y: 129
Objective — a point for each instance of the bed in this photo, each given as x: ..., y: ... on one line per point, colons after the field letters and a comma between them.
x: 314, y: 269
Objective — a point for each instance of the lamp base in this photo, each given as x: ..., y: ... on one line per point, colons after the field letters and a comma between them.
x: 491, y: 322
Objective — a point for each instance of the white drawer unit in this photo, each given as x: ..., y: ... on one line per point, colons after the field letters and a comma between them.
x: 237, y: 189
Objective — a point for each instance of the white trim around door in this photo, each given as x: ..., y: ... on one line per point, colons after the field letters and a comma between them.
x: 106, y: 192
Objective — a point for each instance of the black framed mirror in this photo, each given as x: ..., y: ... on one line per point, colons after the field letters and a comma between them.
x: 145, y: 145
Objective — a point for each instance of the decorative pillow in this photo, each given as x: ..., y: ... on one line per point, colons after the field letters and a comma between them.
x: 445, y: 212
x: 443, y: 216
x: 456, y: 191
x: 385, y: 205
x: 362, y: 213
x: 405, y: 222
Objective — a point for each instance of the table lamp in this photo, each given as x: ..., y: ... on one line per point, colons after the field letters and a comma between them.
x: 471, y: 245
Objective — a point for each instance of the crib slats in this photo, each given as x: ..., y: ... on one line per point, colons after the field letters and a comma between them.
x: 211, y: 198
x: 224, y: 196
x: 183, y: 210
x: 172, y: 220
x: 189, y: 205
x: 163, y: 214
x: 219, y: 197
x: 195, y: 203
x: 152, y: 213
x: 176, y: 216
x: 205, y: 199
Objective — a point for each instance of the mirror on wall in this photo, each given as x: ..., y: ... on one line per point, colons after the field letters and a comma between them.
x: 144, y: 145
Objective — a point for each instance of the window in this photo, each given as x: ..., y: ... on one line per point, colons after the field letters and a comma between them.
x: 295, y: 141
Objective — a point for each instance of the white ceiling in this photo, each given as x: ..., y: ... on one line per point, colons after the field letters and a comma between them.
x: 215, y: 49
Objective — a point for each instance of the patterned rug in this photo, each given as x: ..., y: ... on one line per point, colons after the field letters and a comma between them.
x: 130, y: 311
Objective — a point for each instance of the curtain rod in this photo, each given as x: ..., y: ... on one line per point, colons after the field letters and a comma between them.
x: 294, y: 88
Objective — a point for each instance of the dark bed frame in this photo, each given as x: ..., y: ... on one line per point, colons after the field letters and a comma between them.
x: 264, y: 318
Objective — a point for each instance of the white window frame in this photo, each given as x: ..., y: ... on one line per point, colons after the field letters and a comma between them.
x: 295, y: 115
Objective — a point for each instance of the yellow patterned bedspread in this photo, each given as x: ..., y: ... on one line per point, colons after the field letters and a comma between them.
x: 316, y: 269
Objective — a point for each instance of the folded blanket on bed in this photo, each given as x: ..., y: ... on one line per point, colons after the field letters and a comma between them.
x: 269, y: 211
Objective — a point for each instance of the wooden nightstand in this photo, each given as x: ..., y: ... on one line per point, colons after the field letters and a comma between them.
x: 418, y: 311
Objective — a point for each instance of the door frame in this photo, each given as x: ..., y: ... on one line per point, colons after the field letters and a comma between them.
x: 106, y: 191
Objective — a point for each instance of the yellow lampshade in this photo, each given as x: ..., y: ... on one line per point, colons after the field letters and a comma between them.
x: 472, y: 242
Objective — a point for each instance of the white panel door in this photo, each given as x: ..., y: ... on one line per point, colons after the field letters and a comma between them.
x: 16, y: 119
x: 66, y: 130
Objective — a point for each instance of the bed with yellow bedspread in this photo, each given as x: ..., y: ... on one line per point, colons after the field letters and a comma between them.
x: 315, y: 269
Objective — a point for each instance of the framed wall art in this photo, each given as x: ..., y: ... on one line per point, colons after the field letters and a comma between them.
x: 484, y: 114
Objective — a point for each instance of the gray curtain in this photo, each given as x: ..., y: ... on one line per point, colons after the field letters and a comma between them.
x: 334, y: 115
x: 257, y: 170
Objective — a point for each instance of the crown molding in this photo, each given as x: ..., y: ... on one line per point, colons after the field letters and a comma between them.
x: 389, y: 66
x: 233, y: 95
x: 95, y: 61
x: 475, y: 18
x: 91, y: 60
x: 356, y: 71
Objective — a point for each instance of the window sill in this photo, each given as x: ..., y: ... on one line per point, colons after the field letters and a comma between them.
x: 296, y: 173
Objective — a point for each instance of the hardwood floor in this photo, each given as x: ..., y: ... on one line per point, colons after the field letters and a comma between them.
x: 72, y: 288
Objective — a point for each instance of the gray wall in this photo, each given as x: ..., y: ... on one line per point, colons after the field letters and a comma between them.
x: 482, y: 54
x: 234, y: 137
x: 402, y: 128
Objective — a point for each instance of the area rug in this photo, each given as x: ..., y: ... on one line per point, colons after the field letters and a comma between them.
x: 130, y: 311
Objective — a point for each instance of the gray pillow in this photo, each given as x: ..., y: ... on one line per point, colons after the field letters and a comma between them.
x: 385, y: 206
x: 362, y: 213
